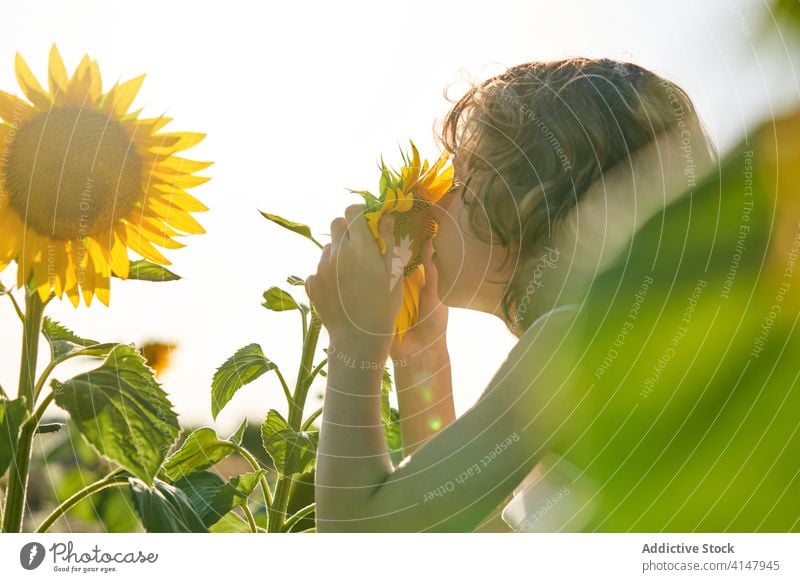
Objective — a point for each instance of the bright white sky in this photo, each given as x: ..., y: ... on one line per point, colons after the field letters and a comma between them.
x: 298, y: 101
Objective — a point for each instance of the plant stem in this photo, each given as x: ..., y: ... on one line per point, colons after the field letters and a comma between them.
x: 113, y: 479
x: 278, y: 510
x: 310, y: 420
x: 317, y: 369
x: 284, y: 386
x: 248, y: 456
x: 301, y: 513
x: 285, y: 484
x: 16, y: 306
x: 250, y: 519
x: 295, y: 419
x: 20, y: 464
x: 37, y: 389
x: 34, y: 310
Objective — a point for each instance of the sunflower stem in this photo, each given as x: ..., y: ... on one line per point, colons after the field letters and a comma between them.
x: 285, y: 484
x: 16, y: 306
x: 113, y: 479
x: 20, y: 463
x: 250, y: 519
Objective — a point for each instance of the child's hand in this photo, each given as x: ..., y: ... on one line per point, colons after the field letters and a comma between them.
x: 351, y: 290
x: 431, y: 327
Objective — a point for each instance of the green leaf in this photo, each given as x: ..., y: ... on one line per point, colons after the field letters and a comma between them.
x: 296, y: 227
x: 292, y: 452
x: 164, y: 508
x: 370, y: 201
x: 201, y: 449
x: 144, y: 270
x: 238, y: 434
x: 390, y: 417
x: 122, y: 412
x: 13, y: 414
x: 230, y: 523
x: 65, y: 344
x: 212, y: 498
x: 277, y: 299
x: 247, y: 364
x: 295, y: 280
x: 201, y: 488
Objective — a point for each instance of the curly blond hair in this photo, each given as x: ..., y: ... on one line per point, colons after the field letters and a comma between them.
x: 537, y: 136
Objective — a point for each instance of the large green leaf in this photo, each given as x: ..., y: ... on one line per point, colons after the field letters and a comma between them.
x: 144, y: 270
x: 277, y: 299
x: 296, y: 227
x: 230, y: 523
x: 201, y: 449
x: 122, y: 411
x: 65, y: 344
x: 164, y: 508
x: 12, y: 414
x: 212, y: 497
x: 292, y: 452
x: 247, y: 364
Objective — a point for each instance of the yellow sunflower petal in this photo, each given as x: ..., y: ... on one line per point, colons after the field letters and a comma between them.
x: 79, y: 91
x: 182, y: 165
x: 156, y: 224
x: 119, y: 256
x: 180, y: 180
x: 174, y: 216
x: 57, y: 73
x: 95, y: 82
x: 10, y: 227
x: 120, y: 98
x: 28, y: 253
x: 30, y: 86
x: 59, y: 266
x: 179, y: 198
x: 73, y: 295
x: 373, y: 220
x: 102, y: 288
x: 70, y: 274
x: 157, y: 236
x: 177, y: 141
x: 141, y: 246
x: 41, y: 275
x: 14, y: 110
x: 87, y: 285
x: 100, y: 256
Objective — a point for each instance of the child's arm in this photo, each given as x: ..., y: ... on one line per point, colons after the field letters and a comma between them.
x: 463, y: 473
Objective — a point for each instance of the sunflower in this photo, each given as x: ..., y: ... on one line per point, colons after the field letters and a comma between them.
x: 409, y: 193
x: 83, y: 179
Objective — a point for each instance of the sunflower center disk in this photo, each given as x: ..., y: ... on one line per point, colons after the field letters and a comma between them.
x: 418, y: 224
x: 72, y: 173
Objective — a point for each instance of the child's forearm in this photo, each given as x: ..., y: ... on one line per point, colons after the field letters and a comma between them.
x: 424, y: 395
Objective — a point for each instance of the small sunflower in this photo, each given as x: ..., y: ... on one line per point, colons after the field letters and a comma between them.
x: 409, y: 193
x: 158, y: 354
x: 83, y: 179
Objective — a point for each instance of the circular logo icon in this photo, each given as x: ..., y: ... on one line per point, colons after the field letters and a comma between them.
x: 31, y: 555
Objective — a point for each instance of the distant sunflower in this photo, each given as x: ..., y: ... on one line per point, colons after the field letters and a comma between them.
x: 82, y: 180
x: 158, y: 354
x: 409, y: 193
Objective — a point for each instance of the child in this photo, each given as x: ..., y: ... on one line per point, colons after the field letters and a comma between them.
x: 556, y: 166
